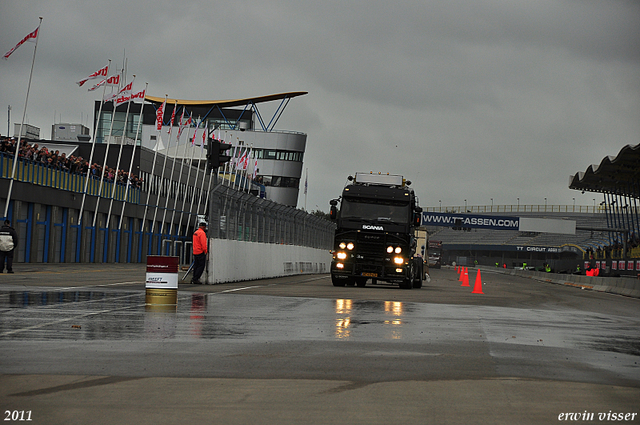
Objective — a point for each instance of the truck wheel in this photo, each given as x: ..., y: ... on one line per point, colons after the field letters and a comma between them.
x: 338, y: 282
x: 361, y: 282
x: 417, y: 283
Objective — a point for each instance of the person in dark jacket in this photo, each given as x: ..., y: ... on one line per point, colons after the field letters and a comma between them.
x: 8, y: 243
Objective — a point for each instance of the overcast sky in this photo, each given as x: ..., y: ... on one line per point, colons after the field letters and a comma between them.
x: 470, y: 100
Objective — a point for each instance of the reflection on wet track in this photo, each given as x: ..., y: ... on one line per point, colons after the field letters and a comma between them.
x: 512, y: 337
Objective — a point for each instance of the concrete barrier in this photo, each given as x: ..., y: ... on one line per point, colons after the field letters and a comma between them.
x: 232, y: 261
x: 627, y: 286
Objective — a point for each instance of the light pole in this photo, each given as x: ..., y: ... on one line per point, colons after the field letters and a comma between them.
x: 440, y: 201
x: 465, y: 205
x: 491, y: 204
x: 518, y: 203
x: 574, y: 204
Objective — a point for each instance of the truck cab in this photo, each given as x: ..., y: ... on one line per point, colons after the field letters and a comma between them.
x: 374, y: 236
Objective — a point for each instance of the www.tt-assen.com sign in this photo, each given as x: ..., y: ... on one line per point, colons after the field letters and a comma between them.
x: 470, y: 220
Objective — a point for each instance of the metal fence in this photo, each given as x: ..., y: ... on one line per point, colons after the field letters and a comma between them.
x: 246, y: 217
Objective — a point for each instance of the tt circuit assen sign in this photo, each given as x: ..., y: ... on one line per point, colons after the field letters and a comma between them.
x: 477, y: 221
x: 470, y: 220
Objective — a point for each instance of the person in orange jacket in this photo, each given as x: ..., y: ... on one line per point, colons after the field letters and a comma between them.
x: 199, y: 253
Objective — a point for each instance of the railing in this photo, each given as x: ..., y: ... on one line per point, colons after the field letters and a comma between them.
x: 44, y: 175
x: 586, y: 209
x: 240, y: 216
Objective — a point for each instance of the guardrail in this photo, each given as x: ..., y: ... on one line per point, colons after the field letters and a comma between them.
x: 44, y: 175
x: 586, y: 209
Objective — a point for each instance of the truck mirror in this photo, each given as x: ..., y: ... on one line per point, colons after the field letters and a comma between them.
x: 333, y: 212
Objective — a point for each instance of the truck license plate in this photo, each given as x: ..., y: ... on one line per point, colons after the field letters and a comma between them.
x: 370, y: 274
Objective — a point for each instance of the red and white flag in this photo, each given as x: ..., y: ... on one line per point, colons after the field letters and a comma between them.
x: 242, y: 164
x: 100, y: 84
x: 180, y: 125
x: 102, y: 72
x: 255, y: 170
x: 204, y: 138
x: 159, y: 114
x: 124, y: 95
x: 186, y: 124
x: 114, y: 80
x: 173, y: 118
x: 139, y: 95
x: 193, y: 140
x: 31, y: 36
x: 125, y: 92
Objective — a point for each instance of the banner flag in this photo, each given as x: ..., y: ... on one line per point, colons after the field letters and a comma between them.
x: 193, y: 140
x: 124, y: 98
x: 31, y: 36
x: 159, y: 114
x: 173, y: 118
x: 181, y: 125
x: 102, y: 72
x: 100, y: 84
x: 125, y: 92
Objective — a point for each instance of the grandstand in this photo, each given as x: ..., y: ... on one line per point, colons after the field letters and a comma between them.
x: 606, y: 236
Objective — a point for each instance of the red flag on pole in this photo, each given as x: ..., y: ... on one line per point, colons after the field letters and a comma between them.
x: 159, y: 114
x: 102, y: 72
x: 32, y: 35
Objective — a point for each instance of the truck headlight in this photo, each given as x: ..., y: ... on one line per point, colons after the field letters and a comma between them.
x: 341, y: 255
x: 389, y: 249
x: 346, y: 245
x: 397, y: 260
x: 398, y: 250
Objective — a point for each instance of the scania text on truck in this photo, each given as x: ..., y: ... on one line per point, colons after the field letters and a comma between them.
x: 374, y: 237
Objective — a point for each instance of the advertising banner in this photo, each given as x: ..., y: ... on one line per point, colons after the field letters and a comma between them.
x: 470, y: 220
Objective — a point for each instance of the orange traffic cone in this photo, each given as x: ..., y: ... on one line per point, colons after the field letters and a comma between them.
x: 461, y: 275
x: 477, y: 288
x: 465, y: 277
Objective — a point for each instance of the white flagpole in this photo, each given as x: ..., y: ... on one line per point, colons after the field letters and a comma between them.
x: 133, y: 154
x: 226, y: 165
x: 184, y: 200
x: 104, y: 163
x: 164, y: 166
x: 152, y: 178
x: 246, y: 172
x: 196, y: 179
x: 124, y: 132
x: 93, y: 145
x: 202, y: 185
x: 236, y: 179
x: 24, y: 113
x: 175, y: 199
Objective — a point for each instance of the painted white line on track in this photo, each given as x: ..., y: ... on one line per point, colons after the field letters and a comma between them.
x: 53, y: 322
x: 96, y: 286
x: 241, y: 289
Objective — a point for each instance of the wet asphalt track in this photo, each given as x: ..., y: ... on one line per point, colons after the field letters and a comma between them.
x: 297, y: 350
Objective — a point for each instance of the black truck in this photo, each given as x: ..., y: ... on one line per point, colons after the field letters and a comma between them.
x: 374, y: 238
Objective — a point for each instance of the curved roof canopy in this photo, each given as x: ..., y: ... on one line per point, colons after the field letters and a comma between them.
x: 618, y: 175
x: 230, y: 102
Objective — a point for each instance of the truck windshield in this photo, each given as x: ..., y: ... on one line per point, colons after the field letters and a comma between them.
x: 375, y: 211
